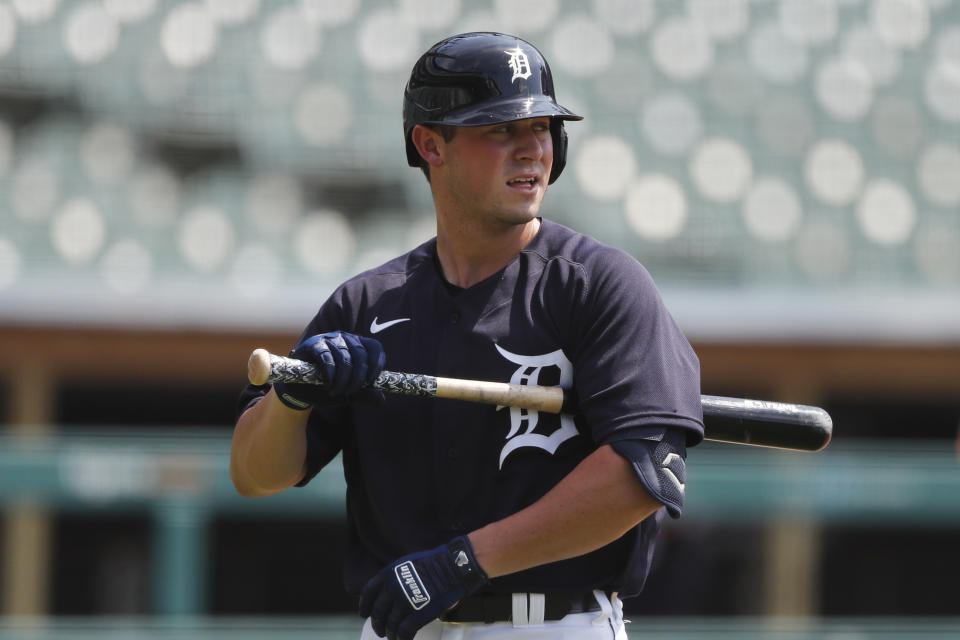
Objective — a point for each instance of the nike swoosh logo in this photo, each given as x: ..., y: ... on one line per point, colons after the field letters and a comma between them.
x: 377, y: 327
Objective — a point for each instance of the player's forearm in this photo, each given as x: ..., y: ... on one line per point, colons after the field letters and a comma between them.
x: 269, y: 448
x: 599, y: 501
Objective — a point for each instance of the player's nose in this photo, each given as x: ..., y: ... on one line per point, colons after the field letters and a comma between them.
x: 531, y: 143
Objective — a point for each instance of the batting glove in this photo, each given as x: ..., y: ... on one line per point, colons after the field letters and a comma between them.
x: 419, y: 587
x: 346, y: 363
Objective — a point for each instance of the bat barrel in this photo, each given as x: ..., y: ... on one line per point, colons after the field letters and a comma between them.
x: 767, y: 424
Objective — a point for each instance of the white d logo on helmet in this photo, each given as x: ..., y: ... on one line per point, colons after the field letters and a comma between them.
x: 519, y: 64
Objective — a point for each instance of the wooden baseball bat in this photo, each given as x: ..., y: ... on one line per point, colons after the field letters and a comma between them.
x: 761, y: 423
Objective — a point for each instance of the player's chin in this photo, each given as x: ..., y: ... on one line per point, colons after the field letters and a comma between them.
x: 521, y: 215
x: 533, y: 210
x: 526, y: 204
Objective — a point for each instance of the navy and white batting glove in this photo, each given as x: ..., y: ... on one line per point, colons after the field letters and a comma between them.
x: 419, y: 587
x: 346, y: 363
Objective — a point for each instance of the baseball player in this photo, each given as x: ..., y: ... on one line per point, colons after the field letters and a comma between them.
x: 469, y: 520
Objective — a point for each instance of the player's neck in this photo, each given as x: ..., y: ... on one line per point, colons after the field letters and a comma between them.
x: 469, y: 254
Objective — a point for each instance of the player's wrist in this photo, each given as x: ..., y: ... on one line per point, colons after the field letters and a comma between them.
x: 288, y: 400
x: 465, y: 564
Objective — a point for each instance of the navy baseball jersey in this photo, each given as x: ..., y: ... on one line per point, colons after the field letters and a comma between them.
x: 567, y: 311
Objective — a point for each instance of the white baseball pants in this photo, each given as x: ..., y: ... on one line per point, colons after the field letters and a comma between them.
x: 606, y: 624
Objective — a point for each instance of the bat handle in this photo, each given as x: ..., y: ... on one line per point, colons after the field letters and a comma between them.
x: 264, y: 367
x: 258, y: 367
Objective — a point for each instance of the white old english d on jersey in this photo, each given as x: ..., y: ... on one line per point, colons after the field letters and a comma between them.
x: 528, y: 373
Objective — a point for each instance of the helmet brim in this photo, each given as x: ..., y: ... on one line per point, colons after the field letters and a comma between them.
x: 496, y: 111
x: 493, y: 112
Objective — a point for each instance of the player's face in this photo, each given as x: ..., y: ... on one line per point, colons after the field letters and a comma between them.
x: 501, y: 171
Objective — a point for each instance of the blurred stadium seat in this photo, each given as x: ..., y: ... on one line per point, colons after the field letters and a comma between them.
x: 730, y: 145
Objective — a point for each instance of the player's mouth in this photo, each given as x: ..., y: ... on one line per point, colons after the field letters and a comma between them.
x: 524, y: 183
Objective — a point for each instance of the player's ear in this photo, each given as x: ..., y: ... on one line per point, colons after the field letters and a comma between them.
x: 429, y: 144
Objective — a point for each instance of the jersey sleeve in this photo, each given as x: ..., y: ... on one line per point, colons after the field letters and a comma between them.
x: 637, y: 377
x: 635, y: 371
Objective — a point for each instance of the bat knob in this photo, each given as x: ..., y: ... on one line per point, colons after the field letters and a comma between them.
x: 258, y: 367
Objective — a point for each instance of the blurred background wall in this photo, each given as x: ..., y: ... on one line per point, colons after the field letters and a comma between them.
x: 183, y: 181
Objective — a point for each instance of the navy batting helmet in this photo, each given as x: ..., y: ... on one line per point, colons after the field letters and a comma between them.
x: 475, y: 79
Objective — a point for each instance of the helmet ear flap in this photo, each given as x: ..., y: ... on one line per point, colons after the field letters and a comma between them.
x: 559, y: 135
